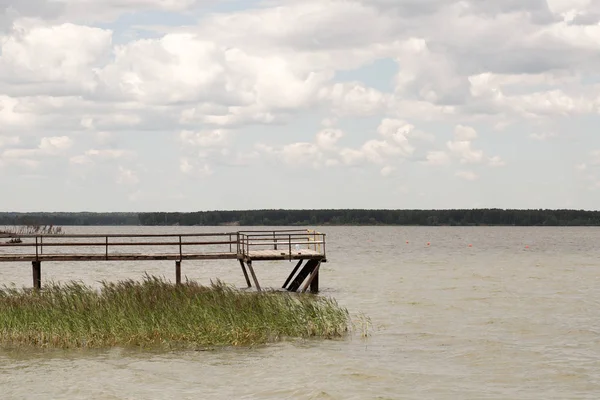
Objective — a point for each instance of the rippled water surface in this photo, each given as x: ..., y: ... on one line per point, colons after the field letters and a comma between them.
x: 496, y: 320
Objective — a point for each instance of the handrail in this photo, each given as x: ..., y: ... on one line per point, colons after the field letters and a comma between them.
x: 282, y: 241
x: 289, y: 243
x: 119, y: 235
x: 92, y: 244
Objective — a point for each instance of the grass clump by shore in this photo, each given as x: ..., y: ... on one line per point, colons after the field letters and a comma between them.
x: 158, y: 313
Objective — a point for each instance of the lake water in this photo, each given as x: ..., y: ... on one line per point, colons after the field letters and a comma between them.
x: 496, y: 320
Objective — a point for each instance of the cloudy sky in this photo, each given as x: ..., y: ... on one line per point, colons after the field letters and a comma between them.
x: 182, y: 105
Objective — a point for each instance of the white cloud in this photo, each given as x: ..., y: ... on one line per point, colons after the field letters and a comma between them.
x: 54, y: 60
x: 9, y: 141
x: 437, y: 158
x: 127, y: 176
x: 461, y: 146
x: 353, y: 72
x: 354, y: 99
x: 329, y: 122
x: 496, y: 161
x: 465, y: 133
x: 377, y: 151
x: 92, y: 156
x: 214, y: 138
x: 387, y: 171
x: 52, y: 145
x: 301, y: 154
x: 467, y: 175
x: 351, y: 156
x: 394, y: 147
x: 328, y: 138
x: 595, y: 157
x: 543, y: 136
x: 48, y: 146
x: 185, y: 166
x: 465, y: 152
x: 80, y: 160
x: 32, y: 157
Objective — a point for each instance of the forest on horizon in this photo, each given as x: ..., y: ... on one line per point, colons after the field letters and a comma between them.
x: 458, y: 217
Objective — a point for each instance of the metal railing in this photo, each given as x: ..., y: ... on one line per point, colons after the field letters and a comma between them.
x: 115, y: 244
x: 242, y: 244
x: 285, y: 242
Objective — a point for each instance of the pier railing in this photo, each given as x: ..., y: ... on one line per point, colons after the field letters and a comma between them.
x: 112, y: 245
x: 243, y: 244
x: 285, y: 242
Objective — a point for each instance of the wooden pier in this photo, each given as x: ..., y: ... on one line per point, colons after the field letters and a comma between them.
x: 302, y: 246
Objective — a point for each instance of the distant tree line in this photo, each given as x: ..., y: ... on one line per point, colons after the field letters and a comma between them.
x: 68, y: 218
x: 463, y: 217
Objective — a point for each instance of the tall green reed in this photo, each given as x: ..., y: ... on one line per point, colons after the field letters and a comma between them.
x: 154, y: 312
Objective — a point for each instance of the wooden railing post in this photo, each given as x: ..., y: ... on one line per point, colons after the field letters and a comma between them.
x: 180, y: 252
x: 178, y: 272
x: 36, y: 267
x: 106, y: 249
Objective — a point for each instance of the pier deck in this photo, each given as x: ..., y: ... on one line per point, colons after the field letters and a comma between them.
x: 244, y: 246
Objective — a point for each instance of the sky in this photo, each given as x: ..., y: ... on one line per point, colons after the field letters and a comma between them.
x: 189, y: 105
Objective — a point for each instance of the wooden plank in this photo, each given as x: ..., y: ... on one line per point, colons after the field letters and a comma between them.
x: 245, y: 273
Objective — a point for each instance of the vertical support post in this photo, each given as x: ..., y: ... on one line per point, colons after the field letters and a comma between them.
x: 314, y: 285
x: 180, y: 253
x: 249, y: 262
x: 178, y: 272
x: 290, y: 246
x: 41, y: 245
x: 230, y: 246
x: 274, y: 241
x: 311, y: 279
x: 245, y: 273
x: 36, y: 248
x: 37, y: 274
x: 106, y: 254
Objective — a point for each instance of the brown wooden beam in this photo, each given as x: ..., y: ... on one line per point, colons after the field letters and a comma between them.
x: 245, y: 273
x: 249, y: 262
x: 289, y: 278
x: 302, y: 275
x: 311, y: 279
x: 37, y: 274
x: 178, y: 272
x: 314, y: 285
